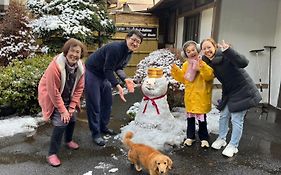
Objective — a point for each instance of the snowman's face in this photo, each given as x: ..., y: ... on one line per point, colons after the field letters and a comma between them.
x: 154, y: 87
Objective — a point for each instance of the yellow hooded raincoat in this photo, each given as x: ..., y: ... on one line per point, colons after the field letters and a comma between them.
x: 197, y: 96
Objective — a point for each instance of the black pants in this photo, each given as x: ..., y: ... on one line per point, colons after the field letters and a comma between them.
x: 98, y: 103
x: 202, y: 132
x: 57, y: 134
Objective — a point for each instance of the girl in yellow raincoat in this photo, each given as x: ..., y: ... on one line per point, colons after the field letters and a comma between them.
x: 197, y: 77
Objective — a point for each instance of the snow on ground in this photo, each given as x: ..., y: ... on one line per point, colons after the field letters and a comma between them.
x: 29, y: 124
x: 180, y: 119
x: 154, y: 124
x: 16, y: 125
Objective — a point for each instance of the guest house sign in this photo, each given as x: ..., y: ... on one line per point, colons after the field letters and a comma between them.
x: 148, y: 32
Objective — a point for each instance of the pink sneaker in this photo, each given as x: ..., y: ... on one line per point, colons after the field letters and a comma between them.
x: 53, y: 160
x: 72, y: 145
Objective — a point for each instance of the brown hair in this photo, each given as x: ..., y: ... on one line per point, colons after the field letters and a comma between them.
x: 72, y: 42
x: 210, y: 40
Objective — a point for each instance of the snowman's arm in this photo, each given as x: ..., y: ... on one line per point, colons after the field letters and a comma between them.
x: 206, y: 71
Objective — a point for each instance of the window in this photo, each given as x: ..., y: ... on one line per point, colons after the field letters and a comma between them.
x: 191, y: 28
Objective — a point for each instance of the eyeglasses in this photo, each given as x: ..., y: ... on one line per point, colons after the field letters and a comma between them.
x: 135, y: 40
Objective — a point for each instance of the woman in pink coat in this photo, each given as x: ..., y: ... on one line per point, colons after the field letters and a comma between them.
x: 59, y: 93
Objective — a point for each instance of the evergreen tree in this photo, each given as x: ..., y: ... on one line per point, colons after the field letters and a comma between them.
x: 16, y: 38
x: 57, y: 20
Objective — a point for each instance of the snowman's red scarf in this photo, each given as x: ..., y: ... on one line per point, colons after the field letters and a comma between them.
x: 146, y: 98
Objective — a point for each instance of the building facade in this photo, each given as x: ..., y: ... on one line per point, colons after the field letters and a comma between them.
x: 248, y: 25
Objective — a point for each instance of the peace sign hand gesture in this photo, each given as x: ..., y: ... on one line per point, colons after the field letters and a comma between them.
x: 224, y: 46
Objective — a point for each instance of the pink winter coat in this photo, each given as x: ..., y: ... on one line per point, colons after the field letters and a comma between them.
x: 52, y: 84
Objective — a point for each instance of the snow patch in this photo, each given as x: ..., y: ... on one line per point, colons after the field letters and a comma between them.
x: 16, y: 125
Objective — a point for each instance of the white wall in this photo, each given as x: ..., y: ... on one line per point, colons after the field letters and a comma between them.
x: 206, y: 24
x: 5, y: 3
x: 276, y: 60
x: 248, y: 25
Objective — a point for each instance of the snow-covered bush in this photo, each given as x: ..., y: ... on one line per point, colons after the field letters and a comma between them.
x: 57, y: 20
x: 16, y: 37
x: 19, y: 82
x: 163, y: 58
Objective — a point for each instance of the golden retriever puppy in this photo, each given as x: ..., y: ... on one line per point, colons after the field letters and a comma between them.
x: 143, y: 156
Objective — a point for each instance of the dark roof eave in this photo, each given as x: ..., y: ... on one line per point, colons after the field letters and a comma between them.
x: 159, y: 5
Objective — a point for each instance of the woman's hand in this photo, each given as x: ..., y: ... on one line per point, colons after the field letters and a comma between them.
x: 224, y: 46
x: 65, y: 117
x: 71, y: 111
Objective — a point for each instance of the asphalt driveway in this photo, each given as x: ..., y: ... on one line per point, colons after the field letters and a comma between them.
x: 259, y: 151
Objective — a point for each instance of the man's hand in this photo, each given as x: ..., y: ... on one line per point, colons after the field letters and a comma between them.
x: 130, y: 85
x: 121, y: 92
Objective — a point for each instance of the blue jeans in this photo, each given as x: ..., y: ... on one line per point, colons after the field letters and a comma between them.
x: 98, y: 95
x: 237, y: 120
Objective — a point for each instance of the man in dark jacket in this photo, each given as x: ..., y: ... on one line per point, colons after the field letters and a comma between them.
x: 100, y: 79
x: 239, y: 93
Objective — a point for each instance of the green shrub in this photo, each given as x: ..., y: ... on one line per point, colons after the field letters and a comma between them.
x: 19, y: 82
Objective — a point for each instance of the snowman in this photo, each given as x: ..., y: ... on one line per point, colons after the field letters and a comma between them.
x: 154, y: 124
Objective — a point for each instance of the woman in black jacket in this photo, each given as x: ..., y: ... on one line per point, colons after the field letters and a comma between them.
x: 239, y: 92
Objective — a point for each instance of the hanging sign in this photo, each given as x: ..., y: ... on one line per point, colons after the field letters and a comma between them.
x: 148, y: 32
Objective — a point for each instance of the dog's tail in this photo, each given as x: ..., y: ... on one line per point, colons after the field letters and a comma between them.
x: 127, y: 139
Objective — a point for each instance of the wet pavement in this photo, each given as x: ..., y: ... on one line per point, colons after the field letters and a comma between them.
x: 259, y: 150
